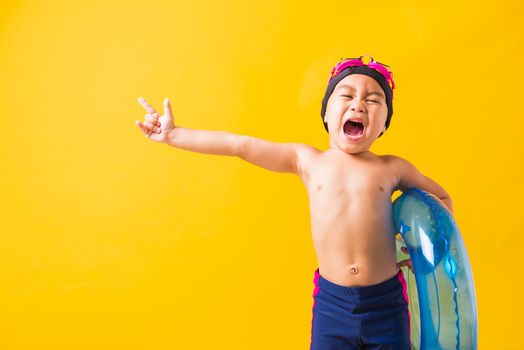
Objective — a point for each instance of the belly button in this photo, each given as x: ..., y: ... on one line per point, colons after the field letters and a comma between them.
x: 354, y: 270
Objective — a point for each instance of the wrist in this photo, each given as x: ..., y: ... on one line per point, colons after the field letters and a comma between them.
x: 170, y: 140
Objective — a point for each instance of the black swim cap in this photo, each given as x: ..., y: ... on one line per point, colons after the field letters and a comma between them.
x: 359, y: 70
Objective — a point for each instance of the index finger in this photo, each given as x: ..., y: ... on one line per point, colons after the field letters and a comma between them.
x: 146, y: 106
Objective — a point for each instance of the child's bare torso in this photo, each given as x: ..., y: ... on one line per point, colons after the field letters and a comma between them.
x: 351, y: 218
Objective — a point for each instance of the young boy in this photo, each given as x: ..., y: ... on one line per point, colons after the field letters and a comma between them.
x: 360, y: 298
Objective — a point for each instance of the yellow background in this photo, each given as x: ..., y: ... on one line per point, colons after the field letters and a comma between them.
x: 111, y: 241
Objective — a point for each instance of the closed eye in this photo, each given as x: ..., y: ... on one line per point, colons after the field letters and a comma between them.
x: 367, y: 100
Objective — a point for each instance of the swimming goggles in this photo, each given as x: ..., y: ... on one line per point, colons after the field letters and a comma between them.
x: 382, y: 68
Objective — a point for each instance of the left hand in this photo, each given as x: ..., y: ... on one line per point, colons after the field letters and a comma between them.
x: 406, y: 262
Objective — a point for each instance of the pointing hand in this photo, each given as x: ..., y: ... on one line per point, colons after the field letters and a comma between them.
x: 157, y: 128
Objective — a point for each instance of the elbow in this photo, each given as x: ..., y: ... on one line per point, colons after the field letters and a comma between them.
x: 448, y: 202
x: 243, y: 146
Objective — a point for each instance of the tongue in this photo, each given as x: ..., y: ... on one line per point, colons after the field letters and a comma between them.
x: 353, y: 128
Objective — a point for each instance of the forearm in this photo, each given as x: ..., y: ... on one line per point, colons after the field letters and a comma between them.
x: 204, y: 141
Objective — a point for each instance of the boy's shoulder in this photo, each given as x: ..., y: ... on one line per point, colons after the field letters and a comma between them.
x: 401, y: 166
x: 397, y: 163
x: 310, y: 158
x: 390, y: 157
x: 393, y: 159
x: 306, y: 153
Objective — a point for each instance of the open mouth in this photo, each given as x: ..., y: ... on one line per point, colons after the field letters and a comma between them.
x: 353, y: 128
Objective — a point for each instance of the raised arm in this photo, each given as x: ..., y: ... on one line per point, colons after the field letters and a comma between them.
x: 409, y: 176
x: 280, y: 157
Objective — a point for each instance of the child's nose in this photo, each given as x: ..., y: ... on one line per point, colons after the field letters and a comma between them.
x: 357, y: 106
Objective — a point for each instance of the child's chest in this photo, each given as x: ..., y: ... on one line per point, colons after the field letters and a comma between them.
x: 330, y: 177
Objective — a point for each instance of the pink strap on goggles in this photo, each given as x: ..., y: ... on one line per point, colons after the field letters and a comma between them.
x: 383, y: 69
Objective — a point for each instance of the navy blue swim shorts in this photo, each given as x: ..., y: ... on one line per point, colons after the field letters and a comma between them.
x: 374, y: 317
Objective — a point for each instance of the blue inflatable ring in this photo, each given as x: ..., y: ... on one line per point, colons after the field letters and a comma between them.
x: 442, y: 304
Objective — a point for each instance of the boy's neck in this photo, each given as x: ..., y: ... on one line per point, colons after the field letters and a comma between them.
x: 357, y: 154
